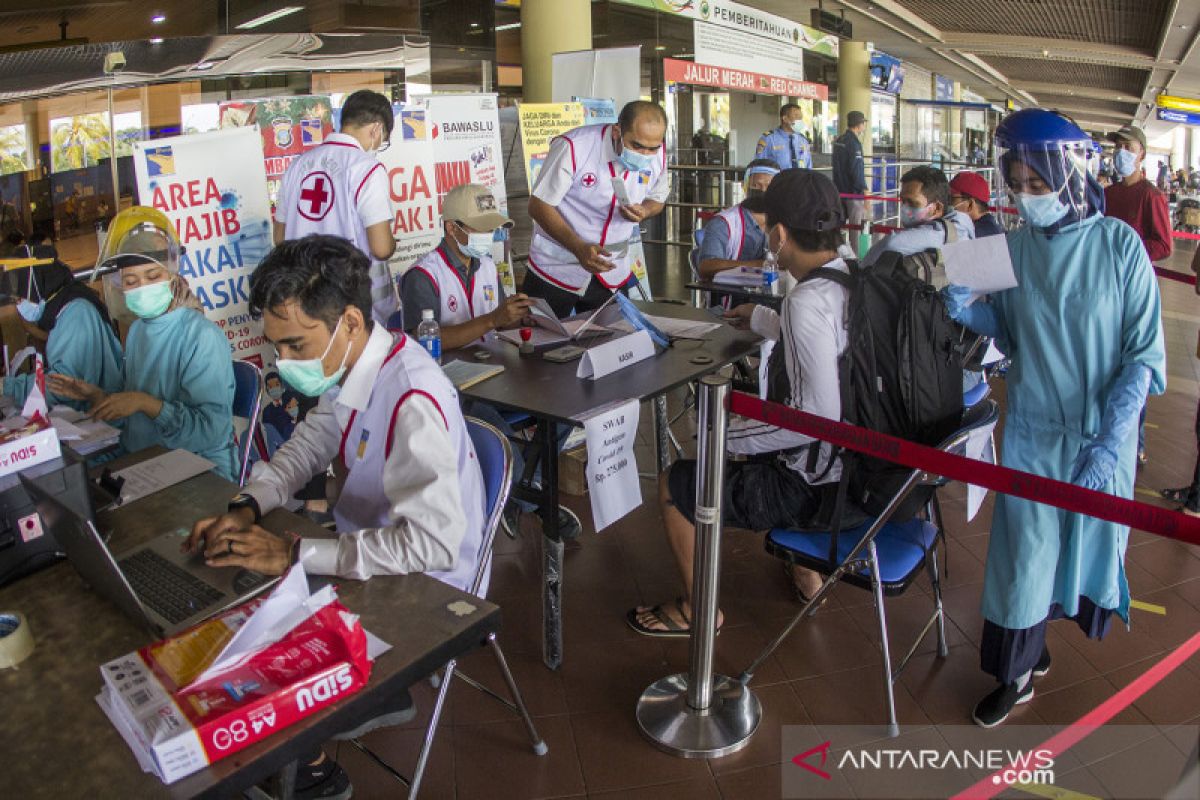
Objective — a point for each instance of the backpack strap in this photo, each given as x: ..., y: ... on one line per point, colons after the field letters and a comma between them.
x: 835, y: 275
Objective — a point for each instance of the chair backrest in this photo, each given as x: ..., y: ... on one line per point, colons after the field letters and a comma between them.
x: 694, y: 253
x: 395, y: 323
x: 496, y: 463
x: 247, y: 403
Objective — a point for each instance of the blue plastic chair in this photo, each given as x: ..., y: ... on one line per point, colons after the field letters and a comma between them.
x: 395, y: 323
x: 976, y: 394
x: 882, y: 555
x: 247, y: 403
x: 495, y: 462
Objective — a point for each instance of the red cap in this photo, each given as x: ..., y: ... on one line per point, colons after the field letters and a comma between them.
x: 972, y: 184
x: 526, y: 334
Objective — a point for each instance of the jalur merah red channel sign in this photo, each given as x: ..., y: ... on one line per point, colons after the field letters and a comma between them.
x: 740, y: 80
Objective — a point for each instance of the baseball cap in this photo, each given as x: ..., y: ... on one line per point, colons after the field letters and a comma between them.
x: 855, y: 118
x: 973, y: 185
x: 475, y: 206
x: 1130, y: 134
x: 804, y: 200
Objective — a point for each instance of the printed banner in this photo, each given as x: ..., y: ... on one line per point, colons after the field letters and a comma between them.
x: 464, y: 130
x: 598, y: 110
x: 290, y: 126
x: 726, y: 47
x: 740, y: 80
x: 740, y: 17
x: 213, y: 187
x: 416, y: 209
x: 541, y: 122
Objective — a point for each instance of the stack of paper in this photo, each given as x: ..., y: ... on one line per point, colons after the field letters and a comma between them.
x: 464, y: 374
x: 740, y: 276
x: 549, y: 329
x: 84, y: 436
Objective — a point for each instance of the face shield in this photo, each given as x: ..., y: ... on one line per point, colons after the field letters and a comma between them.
x: 749, y: 180
x: 136, y: 237
x: 1048, y: 181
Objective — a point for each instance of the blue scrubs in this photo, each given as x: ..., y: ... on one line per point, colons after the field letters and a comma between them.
x: 183, y: 359
x: 1087, y: 305
x: 80, y: 345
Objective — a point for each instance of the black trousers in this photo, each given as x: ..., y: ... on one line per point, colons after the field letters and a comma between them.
x: 563, y: 302
x: 1008, y: 653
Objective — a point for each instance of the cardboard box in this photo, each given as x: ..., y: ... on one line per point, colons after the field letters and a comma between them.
x: 572, y: 471
x: 31, y: 444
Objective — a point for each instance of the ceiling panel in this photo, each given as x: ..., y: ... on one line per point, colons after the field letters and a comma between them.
x: 1065, y: 100
x: 1121, y: 80
x: 1128, y: 23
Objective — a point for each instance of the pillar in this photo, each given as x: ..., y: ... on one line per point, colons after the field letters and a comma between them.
x: 854, y: 85
x: 549, y: 27
x: 954, y: 127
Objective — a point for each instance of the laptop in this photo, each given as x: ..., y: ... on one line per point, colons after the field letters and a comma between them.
x: 154, y: 584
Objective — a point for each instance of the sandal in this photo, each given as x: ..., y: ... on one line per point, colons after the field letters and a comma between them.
x: 801, y: 597
x: 1179, y: 495
x: 670, y: 630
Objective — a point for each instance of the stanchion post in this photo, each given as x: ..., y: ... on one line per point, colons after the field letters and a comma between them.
x: 702, y: 715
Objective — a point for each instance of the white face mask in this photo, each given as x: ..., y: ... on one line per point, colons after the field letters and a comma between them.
x: 478, y: 245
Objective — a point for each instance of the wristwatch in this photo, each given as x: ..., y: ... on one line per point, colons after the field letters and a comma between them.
x: 246, y: 501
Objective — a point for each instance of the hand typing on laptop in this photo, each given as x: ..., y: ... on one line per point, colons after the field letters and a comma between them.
x: 233, y: 540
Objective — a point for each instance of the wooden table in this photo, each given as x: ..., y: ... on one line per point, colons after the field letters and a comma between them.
x: 58, y: 743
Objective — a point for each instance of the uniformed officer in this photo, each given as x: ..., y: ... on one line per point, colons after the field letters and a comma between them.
x: 597, y: 185
x: 788, y: 145
x: 340, y: 188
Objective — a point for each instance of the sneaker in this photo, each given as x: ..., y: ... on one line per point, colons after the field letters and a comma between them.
x: 569, y: 526
x: 1043, y: 664
x: 995, y: 708
x: 324, y: 781
x: 510, y: 519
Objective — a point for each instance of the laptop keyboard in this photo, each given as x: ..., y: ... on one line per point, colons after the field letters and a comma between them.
x: 169, y: 590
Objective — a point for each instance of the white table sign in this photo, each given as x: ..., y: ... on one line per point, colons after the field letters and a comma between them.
x: 612, y: 472
x: 609, y: 357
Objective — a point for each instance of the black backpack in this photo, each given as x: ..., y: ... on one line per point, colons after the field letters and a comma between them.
x: 901, y: 374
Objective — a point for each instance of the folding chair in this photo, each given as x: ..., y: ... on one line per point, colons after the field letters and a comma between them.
x: 495, y: 460
x: 881, y: 555
x: 247, y: 403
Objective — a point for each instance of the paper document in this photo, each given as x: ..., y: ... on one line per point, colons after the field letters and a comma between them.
x: 612, y: 473
x: 980, y: 446
x: 675, y: 328
x: 740, y: 276
x: 464, y: 374
x: 549, y: 329
x: 982, y: 265
x: 155, y: 474
x: 85, y: 435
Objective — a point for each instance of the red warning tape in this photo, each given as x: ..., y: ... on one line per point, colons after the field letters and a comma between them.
x: 1171, y: 274
x: 1185, y: 235
x: 1028, y: 486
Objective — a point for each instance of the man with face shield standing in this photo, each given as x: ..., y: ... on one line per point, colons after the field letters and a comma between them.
x: 1085, y: 337
x: 340, y: 188
x: 598, y: 184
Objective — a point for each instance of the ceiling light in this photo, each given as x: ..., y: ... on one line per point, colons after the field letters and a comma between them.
x: 203, y: 65
x: 510, y: 26
x: 660, y: 47
x: 269, y: 17
x: 474, y: 24
x: 159, y: 19
x: 1183, y: 27
x: 156, y: 40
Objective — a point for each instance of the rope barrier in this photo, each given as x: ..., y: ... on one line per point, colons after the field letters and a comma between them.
x: 1185, y: 235
x: 1028, y: 486
x: 1171, y: 274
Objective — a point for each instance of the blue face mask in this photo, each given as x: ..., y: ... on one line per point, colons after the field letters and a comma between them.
x: 1041, y: 210
x: 1125, y: 162
x: 307, y: 376
x: 478, y: 245
x: 635, y: 161
x: 31, y: 312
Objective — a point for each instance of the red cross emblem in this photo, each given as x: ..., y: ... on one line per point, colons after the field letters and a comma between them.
x: 588, y: 180
x: 316, y: 196
x: 452, y: 303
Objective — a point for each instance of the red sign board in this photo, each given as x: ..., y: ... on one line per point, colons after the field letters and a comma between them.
x: 740, y: 80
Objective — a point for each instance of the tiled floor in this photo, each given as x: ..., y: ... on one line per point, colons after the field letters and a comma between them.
x: 826, y: 673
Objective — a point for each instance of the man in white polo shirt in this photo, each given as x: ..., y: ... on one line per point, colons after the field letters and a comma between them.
x: 340, y: 188
x: 582, y: 221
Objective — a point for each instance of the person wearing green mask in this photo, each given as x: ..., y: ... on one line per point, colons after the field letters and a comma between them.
x: 177, y: 388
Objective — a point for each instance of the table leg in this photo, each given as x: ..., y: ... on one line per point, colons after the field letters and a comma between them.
x: 700, y: 714
x: 662, y: 434
x: 552, y: 549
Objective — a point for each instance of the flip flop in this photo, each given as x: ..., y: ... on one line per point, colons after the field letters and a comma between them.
x: 671, y: 628
x: 801, y: 597
x: 1179, y: 495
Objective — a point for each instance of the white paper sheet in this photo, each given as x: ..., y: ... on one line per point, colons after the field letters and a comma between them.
x: 612, y: 472
x: 982, y: 265
x: 675, y: 328
x: 979, y: 446
x: 155, y: 474
x: 605, y: 359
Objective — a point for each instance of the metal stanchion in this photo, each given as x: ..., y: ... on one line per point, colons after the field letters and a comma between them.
x: 701, y: 715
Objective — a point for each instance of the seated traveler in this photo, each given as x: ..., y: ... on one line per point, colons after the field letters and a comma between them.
x: 458, y: 281
x: 80, y: 342
x: 924, y: 212
x: 775, y: 487
x: 735, y: 237
x: 177, y: 387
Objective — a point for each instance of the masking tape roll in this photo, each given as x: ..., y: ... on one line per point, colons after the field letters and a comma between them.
x: 16, y: 642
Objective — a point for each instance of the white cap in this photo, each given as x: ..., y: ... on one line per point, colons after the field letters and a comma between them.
x: 427, y: 313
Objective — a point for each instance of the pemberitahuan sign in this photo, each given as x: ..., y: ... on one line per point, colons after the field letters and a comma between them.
x: 741, y: 80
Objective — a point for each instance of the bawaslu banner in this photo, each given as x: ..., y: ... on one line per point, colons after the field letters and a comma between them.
x: 214, y: 188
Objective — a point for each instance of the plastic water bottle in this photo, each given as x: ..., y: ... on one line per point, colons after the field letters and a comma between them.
x: 770, y: 273
x: 430, y: 335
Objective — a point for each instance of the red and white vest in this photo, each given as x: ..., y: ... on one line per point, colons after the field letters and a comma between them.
x: 590, y: 208
x: 461, y: 302
x: 732, y: 217
x: 366, y: 443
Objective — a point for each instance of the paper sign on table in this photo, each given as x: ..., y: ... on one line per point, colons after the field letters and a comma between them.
x: 607, y: 358
x: 982, y: 265
x: 612, y: 473
x: 155, y: 474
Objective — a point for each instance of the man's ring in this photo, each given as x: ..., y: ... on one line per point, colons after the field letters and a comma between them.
x: 230, y: 550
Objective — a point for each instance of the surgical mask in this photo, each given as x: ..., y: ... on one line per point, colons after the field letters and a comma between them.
x: 1040, y: 210
x: 149, y: 301
x: 30, y: 311
x: 635, y: 161
x: 307, y: 376
x: 293, y: 411
x: 912, y: 217
x: 478, y: 245
x: 275, y: 393
x: 1125, y: 162
x: 798, y: 127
